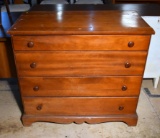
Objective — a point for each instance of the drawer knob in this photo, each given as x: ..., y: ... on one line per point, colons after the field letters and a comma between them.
x: 124, y: 88
x: 33, y: 65
x: 30, y: 44
x: 35, y: 88
x: 130, y: 44
x: 127, y: 65
x: 121, y: 108
x: 39, y: 107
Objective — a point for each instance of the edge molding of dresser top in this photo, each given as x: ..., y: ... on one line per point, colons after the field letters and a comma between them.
x: 81, y: 66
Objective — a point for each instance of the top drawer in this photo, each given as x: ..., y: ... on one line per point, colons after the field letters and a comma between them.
x: 81, y: 42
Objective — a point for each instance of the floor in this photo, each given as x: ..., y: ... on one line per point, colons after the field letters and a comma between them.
x: 11, y: 127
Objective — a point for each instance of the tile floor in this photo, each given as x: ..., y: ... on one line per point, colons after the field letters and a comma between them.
x: 11, y: 127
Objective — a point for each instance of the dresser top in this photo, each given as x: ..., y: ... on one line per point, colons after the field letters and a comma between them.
x: 80, y: 22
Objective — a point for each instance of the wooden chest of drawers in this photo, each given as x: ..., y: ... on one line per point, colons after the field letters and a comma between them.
x: 83, y: 66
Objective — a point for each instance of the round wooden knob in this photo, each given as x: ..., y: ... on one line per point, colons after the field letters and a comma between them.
x: 130, y: 44
x: 39, y: 107
x: 121, y: 108
x: 30, y: 44
x: 124, y: 88
x: 127, y: 65
x: 33, y: 65
x: 35, y: 88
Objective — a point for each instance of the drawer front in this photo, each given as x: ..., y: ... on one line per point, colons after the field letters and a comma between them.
x: 80, y: 106
x: 77, y: 63
x: 74, y: 86
x: 81, y: 42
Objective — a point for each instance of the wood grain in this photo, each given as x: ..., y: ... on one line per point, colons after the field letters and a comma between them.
x: 109, y: 22
x: 81, y: 42
x: 80, y: 86
x: 80, y: 106
x: 80, y: 63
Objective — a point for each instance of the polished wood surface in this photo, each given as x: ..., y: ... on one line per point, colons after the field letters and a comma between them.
x: 83, y: 67
x: 9, y: 69
x: 80, y: 106
x: 81, y: 42
x: 81, y: 22
x: 80, y: 86
x: 79, y: 63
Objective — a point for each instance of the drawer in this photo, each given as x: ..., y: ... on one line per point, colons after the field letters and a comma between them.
x: 80, y: 106
x: 80, y: 86
x: 80, y: 63
x: 82, y: 42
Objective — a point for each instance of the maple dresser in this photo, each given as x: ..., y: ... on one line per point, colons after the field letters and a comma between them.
x: 81, y: 66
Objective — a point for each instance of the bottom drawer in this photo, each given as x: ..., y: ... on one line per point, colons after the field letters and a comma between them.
x: 80, y: 106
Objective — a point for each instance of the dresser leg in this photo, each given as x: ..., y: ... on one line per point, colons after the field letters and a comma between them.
x: 131, y: 121
x: 26, y: 121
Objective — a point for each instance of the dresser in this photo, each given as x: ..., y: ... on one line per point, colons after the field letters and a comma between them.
x: 81, y: 66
